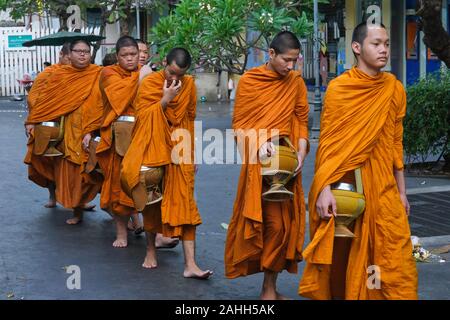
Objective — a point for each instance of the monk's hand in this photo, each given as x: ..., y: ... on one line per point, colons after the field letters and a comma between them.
x: 324, y: 202
x: 170, y: 92
x: 405, y: 203
x: 300, y: 158
x: 29, y: 129
x: 85, y: 142
x: 266, y: 150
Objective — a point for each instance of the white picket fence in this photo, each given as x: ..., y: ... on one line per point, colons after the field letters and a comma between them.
x: 15, y: 62
x: 308, y: 58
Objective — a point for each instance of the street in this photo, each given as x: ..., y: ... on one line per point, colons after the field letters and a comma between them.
x: 38, y: 246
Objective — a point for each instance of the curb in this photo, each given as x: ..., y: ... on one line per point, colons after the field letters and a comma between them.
x: 435, y: 241
x: 428, y: 190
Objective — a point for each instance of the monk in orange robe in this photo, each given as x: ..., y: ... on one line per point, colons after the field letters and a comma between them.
x: 72, y: 91
x: 40, y: 168
x: 166, y: 108
x: 362, y: 127
x: 118, y: 84
x: 266, y: 236
x: 135, y: 223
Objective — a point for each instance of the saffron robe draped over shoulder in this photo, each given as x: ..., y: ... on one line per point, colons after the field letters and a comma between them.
x: 119, y: 88
x: 40, y: 168
x: 152, y: 146
x: 39, y: 83
x: 361, y: 126
x: 266, y: 101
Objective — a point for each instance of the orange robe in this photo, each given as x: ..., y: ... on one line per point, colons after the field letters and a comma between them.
x: 267, y: 235
x: 119, y: 88
x: 39, y: 83
x: 40, y: 168
x: 362, y: 127
x: 75, y: 94
x: 177, y: 214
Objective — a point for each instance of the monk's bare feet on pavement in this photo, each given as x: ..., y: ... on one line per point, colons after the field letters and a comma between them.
x: 51, y: 197
x: 269, y: 287
x: 121, y: 232
x: 196, y: 273
x: 165, y: 242
x: 50, y: 204
x: 268, y: 295
x: 150, y: 261
x: 77, y: 217
x: 191, y: 269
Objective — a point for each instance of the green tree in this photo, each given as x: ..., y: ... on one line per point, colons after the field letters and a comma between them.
x: 214, y: 31
x: 111, y: 11
x: 427, y: 122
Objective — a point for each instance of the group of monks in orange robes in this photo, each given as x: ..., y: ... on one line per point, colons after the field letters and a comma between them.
x: 361, y: 127
x: 90, y: 101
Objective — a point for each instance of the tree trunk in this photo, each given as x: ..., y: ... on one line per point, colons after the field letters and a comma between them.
x: 126, y: 23
x: 436, y: 38
x: 124, y: 27
x: 63, y: 21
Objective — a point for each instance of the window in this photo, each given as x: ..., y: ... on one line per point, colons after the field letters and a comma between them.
x: 93, y: 17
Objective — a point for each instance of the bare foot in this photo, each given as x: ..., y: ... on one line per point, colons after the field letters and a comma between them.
x: 150, y: 261
x: 50, y: 204
x: 268, y: 295
x: 165, y: 242
x: 121, y: 232
x: 150, y: 258
x: 77, y: 217
x: 196, y: 273
x: 120, y: 243
x: 51, y: 196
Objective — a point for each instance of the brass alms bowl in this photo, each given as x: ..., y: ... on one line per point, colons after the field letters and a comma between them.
x: 277, y: 170
x: 350, y: 204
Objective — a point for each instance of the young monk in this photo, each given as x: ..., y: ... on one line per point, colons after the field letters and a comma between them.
x: 144, y: 53
x: 166, y: 105
x: 266, y: 236
x: 362, y: 128
x: 72, y: 91
x: 160, y: 241
x: 119, y: 84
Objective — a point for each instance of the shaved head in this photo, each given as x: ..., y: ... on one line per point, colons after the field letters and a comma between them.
x: 285, y: 41
x: 360, y: 32
x: 180, y: 56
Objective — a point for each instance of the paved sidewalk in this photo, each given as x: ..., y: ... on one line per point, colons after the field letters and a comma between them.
x: 37, y: 245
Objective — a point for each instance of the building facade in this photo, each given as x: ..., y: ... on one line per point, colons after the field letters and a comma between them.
x: 410, y: 58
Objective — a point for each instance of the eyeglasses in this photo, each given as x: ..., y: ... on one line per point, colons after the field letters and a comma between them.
x: 80, y: 52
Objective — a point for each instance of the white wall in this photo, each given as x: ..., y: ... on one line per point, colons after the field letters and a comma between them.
x: 206, y: 85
